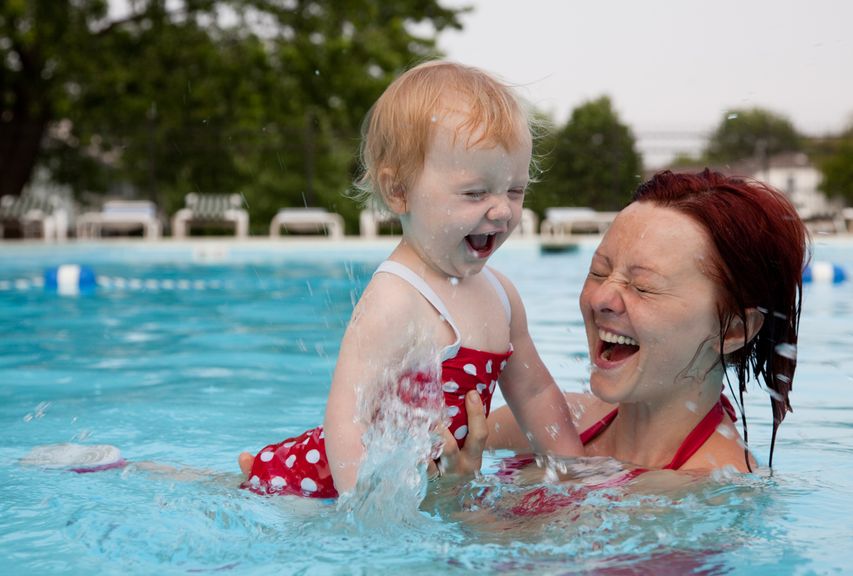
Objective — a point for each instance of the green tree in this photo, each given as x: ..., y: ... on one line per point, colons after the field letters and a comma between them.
x: 591, y: 161
x: 751, y: 133
x: 261, y: 97
x: 837, y: 168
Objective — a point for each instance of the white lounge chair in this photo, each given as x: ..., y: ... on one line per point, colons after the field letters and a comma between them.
x: 121, y: 216
x: 211, y: 209
x: 528, y: 225
x: 307, y: 221
x: 567, y: 221
x: 34, y: 215
x: 847, y: 216
x: 370, y: 220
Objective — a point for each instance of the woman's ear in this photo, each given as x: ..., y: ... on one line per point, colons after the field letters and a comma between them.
x: 740, y: 332
x: 392, y: 192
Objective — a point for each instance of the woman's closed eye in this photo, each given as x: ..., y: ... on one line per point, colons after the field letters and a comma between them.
x: 648, y: 288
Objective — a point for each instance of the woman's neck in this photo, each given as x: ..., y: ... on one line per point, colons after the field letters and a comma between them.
x: 648, y: 434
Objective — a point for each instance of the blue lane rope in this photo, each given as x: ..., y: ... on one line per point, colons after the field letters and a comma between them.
x: 76, y: 279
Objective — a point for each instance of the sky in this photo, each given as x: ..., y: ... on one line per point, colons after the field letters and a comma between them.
x: 672, y: 68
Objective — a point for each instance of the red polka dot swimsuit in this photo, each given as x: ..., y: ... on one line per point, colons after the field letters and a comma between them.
x: 299, y: 465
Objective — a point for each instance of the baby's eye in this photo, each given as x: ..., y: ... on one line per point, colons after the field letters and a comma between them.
x: 516, y: 192
x: 475, y: 194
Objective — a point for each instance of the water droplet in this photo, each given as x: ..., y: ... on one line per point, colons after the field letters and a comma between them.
x: 787, y: 351
x: 725, y: 431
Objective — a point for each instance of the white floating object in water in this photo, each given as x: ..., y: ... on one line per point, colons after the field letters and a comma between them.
x: 822, y: 272
x: 75, y: 457
x: 70, y: 279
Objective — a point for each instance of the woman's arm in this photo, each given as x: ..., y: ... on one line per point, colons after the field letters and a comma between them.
x: 506, y: 434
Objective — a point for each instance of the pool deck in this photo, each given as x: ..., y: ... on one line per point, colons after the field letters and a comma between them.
x: 308, y: 241
x: 282, y: 244
x: 225, y: 248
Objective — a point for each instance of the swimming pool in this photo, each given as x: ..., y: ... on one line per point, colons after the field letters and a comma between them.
x: 192, y: 352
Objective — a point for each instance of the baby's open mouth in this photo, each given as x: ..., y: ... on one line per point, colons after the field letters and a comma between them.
x: 615, y: 347
x: 482, y: 244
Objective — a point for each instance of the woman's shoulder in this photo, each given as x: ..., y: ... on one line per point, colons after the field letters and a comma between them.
x: 724, y: 449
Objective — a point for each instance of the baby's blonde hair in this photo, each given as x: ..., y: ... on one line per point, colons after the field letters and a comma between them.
x: 398, y: 129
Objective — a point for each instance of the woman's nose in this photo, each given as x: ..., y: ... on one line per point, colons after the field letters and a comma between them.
x: 606, y: 298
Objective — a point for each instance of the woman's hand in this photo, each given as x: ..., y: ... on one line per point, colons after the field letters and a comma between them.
x: 466, y: 461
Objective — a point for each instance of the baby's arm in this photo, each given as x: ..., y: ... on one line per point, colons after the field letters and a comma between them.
x: 536, y: 401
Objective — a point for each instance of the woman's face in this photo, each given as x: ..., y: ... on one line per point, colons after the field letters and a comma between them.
x: 649, y: 308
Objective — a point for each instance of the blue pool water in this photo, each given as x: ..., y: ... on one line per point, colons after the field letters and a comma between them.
x: 195, y: 352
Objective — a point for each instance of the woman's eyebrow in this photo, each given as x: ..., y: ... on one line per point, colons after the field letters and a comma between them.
x: 598, y: 254
x: 644, y: 269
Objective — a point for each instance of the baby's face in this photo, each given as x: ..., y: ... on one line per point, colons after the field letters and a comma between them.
x: 466, y: 201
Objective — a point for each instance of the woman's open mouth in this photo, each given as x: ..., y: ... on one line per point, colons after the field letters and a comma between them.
x: 481, y: 244
x: 614, y: 348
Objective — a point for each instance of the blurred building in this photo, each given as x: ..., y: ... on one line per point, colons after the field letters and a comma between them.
x: 792, y: 173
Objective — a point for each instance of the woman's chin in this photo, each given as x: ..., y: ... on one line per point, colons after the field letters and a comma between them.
x: 604, y: 392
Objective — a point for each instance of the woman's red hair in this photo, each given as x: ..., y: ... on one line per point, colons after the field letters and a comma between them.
x: 761, y: 248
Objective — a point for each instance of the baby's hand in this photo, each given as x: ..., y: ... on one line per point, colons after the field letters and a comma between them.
x: 467, y: 460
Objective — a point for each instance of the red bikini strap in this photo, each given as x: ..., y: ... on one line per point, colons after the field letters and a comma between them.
x: 700, y: 434
x: 727, y: 406
x: 593, y: 431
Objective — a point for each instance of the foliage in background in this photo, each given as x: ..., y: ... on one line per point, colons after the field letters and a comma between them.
x: 751, y: 133
x: 266, y: 97
x: 261, y: 97
x: 837, y: 167
x: 591, y: 161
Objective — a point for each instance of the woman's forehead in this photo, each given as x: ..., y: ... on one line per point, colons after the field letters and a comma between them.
x: 644, y: 234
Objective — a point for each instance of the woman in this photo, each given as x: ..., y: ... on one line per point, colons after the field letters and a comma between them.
x: 698, y: 274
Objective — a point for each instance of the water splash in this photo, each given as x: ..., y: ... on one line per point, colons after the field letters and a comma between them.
x: 402, y: 410
x: 39, y: 412
x: 75, y: 457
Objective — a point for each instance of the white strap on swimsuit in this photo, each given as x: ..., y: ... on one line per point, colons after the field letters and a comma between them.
x: 421, y: 286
